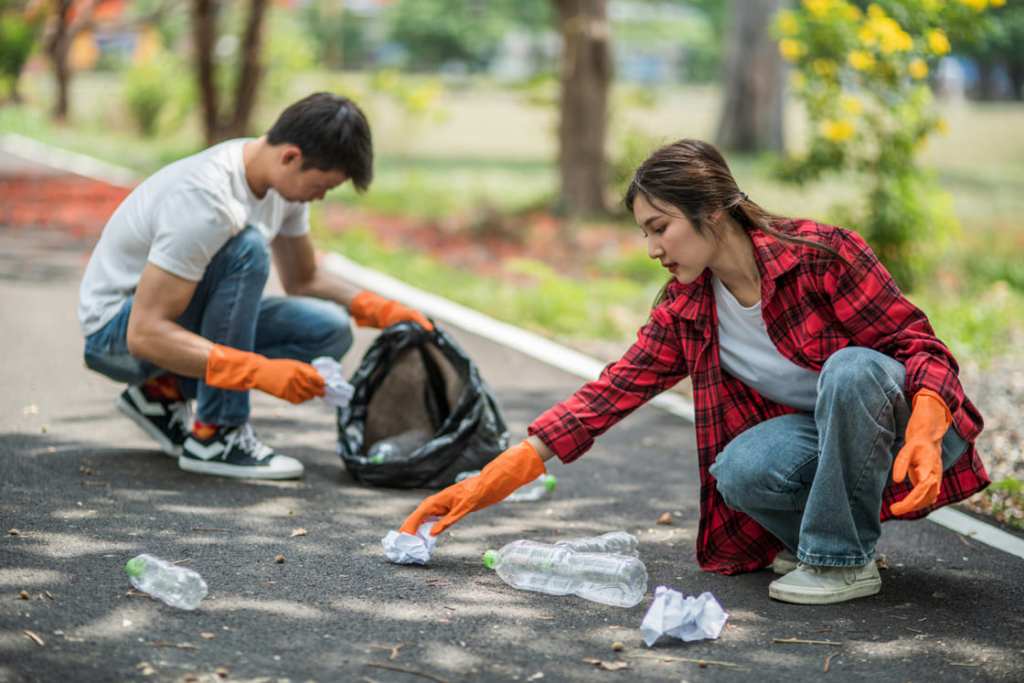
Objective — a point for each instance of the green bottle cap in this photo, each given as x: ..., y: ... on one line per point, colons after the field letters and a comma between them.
x: 135, y: 567
x: 550, y: 482
x: 490, y: 558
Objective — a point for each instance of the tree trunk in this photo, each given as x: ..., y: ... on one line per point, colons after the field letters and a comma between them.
x: 751, y: 119
x: 57, y: 47
x: 586, y: 75
x: 986, y: 88
x: 250, y: 71
x: 221, y: 125
x: 1016, y: 72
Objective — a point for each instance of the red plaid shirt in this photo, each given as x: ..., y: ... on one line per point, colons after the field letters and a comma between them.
x: 813, y: 305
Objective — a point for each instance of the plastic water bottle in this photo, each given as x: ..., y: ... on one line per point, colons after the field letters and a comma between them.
x: 608, y: 578
x: 613, y: 542
x: 538, y: 489
x: 397, y: 448
x: 177, y: 586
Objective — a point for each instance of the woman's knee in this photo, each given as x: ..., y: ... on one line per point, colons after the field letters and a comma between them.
x: 735, y: 477
x: 855, y: 370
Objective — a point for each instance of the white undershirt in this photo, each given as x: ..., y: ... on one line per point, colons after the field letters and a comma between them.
x: 748, y: 354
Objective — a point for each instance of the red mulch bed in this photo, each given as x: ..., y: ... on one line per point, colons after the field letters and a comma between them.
x: 76, y: 205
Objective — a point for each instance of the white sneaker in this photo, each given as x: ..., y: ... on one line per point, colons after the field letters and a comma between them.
x: 237, y: 452
x: 784, y: 563
x: 815, y: 585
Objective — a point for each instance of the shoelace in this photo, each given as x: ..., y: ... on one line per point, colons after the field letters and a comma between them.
x: 245, y: 438
x: 181, y: 413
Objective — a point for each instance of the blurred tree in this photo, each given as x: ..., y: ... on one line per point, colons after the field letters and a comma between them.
x: 341, y: 37
x: 586, y: 76
x: 227, y: 117
x: 751, y: 119
x: 997, y: 44
x: 19, y: 30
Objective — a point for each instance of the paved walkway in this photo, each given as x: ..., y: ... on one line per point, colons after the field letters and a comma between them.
x: 86, y: 491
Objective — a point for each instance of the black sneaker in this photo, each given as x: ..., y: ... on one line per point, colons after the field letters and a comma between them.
x: 168, y: 422
x: 237, y: 452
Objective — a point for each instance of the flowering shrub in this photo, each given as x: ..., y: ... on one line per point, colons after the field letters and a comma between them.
x: 862, y: 76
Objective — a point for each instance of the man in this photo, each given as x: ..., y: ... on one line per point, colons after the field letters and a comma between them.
x: 172, y: 299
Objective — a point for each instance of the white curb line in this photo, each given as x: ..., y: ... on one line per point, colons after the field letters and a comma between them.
x: 62, y: 159
x: 472, y: 321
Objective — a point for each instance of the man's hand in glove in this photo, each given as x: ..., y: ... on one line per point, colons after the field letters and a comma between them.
x: 371, y: 310
x: 292, y: 380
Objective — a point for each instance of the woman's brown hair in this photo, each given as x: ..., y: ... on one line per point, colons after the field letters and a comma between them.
x: 693, y: 176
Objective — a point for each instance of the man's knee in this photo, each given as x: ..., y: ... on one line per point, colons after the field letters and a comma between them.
x: 120, y: 367
x: 248, y: 249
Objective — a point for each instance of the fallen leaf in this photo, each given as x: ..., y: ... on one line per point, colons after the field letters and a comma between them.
x: 618, y: 647
x: 23, y: 595
x: 279, y: 559
x: 666, y: 518
x: 536, y: 677
x: 191, y: 678
x: 145, y: 668
x: 34, y: 637
x: 298, y: 532
x: 13, y: 532
x: 607, y: 666
x: 206, y: 635
x: 222, y: 671
x: 882, y: 562
x: 87, y: 471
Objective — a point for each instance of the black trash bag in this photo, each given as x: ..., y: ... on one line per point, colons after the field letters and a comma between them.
x: 420, y: 413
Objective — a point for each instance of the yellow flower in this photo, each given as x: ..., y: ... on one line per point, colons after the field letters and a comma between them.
x: 787, y: 23
x: 866, y: 35
x: 797, y: 80
x: 824, y: 67
x: 997, y: 3
x: 917, y: 68
x: 791, y: 49
x: 937, y: 41
x: 875, y: 12
x: 941, y: 126
x: 818, y: 8
x: 861, y: 60
x: 852, y: 12
x: 852, y: 105
x: 837, y: 131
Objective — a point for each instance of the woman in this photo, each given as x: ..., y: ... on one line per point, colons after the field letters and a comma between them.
x: 813, y: 378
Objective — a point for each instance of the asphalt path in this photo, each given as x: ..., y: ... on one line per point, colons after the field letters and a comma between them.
x: 85, y: 491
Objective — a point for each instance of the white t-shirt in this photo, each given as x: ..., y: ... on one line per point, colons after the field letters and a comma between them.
x: 748, y: 354
x: 178, y: 219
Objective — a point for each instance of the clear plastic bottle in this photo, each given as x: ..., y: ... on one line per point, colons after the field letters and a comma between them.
x: 538, y: 489
x: 177, y: 586
x: 608, y: 578
x: 397, y: 448
x: 619, y: 542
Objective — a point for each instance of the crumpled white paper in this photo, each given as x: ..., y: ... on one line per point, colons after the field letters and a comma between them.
x: 692, y: 618
x: 402, y: 548
x: 339, y: 392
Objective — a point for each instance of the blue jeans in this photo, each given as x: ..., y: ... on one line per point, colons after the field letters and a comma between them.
x: 816, y: 481
x: 228, y: 308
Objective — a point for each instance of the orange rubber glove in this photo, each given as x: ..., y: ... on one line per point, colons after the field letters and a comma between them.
x: 516, y: 466
x: 921, y: 455
x: 292, y: 380
x: 372, y: 310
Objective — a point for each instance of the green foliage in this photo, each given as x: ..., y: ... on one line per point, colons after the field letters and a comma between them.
x: 977, y: 326
x: 18, y: 35
x: 340, y: 37
x: 435, y: 33
x: 153, y: 89
x: 861, y: 76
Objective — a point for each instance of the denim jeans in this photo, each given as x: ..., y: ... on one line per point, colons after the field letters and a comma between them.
x: 228, y: 308
x: 816, y: 481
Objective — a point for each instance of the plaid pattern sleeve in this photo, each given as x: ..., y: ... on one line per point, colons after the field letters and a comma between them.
x: 876, y: 315
x: 652, y: 364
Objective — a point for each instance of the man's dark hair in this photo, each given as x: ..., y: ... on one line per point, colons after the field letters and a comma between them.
x: 332, y: 133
